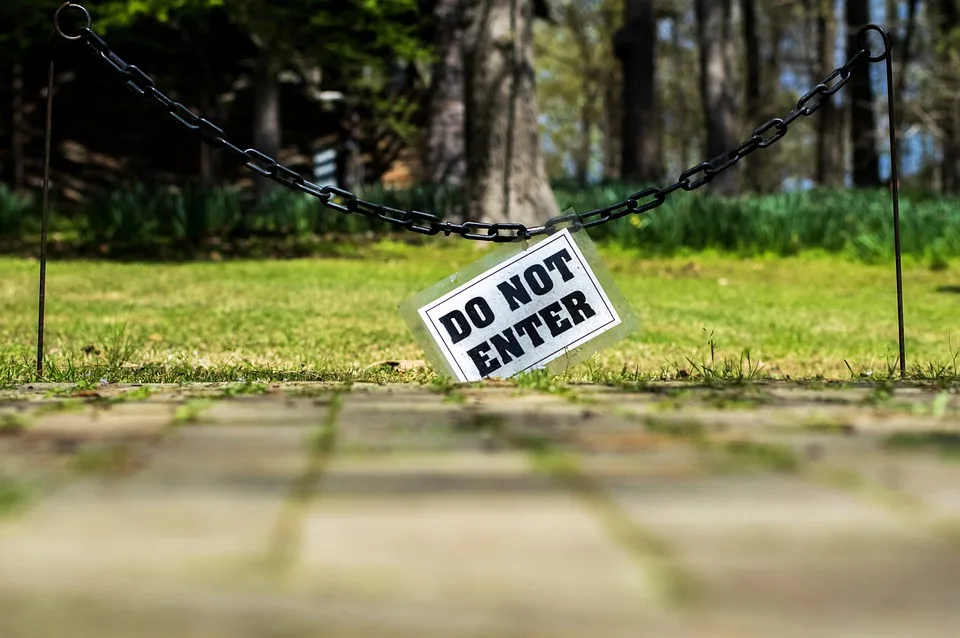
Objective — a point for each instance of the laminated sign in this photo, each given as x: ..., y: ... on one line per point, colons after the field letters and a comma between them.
x: 520, y: 310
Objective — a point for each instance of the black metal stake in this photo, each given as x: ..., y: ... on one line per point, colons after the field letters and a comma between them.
x: 895, y: 196
x: 887, y: 58
x: 43, y: 221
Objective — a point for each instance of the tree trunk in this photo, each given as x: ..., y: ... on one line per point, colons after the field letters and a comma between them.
x: 635, y: 45
x: 194, y: 37
x: 612, y: 122
x: 906, y: 50
x: 17, y: 131
x: 506, y: 175
x: 689, y: 144
x: 863, y: 126
x: 266, y: 116
x: 949, y: 110
x: 753, y: 93
x: 444, y: 141
x: 210, y: 158
x: 611, y: 129
x: 349, y: 170
x: 767, y: 175
x: 586, y: 127
x: 714, y: 32
x: 829, y: 170
x: 577, y: 23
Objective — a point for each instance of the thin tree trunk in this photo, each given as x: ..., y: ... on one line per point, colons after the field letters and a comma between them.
x: 863, y: 125
x: 714, y: 31
x: 17, y: 131
x: 611, y: 128
x: 612, y: 107
x: 506, y: 175
x: 829, y: 170
x: 586, y: 130
x: 753, y: 89
x: 586, y: 53
x: 635, y: 47
x: 949, y: 110
x: 768, y: 173
x: 688, y: 146
x: 349, y: 171
x: 892, y: 9
x: 194, y: 38
x: 266, y: 116
x: 906, y: 49
x: 210, y: 158
x: 444, y: 141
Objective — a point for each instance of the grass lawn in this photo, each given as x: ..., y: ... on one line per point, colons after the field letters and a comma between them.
x: 331, y: 318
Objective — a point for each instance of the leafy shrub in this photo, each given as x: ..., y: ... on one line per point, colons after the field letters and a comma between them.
x: 18, y: 213
x: 853, y: 222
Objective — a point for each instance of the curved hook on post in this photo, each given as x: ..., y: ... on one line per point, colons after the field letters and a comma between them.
x: 862, y: 42
x: 56, y: 21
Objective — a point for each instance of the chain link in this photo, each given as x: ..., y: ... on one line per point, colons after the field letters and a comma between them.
x: 764, y: 136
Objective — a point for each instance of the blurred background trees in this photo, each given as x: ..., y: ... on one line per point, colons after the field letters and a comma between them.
x: 499, y: 98
x: 722, y: 67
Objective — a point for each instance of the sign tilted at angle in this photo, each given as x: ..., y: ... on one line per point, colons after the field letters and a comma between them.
x: 521, y: 310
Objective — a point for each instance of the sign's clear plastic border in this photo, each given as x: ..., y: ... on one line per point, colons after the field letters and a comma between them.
x: 629, y: 322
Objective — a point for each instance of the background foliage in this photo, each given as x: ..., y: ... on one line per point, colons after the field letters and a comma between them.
x: 125, y: 181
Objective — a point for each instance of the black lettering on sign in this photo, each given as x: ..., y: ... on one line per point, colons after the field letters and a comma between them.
x: 527, y: 327
x: 577, y: 306
x: 484, y: 364
x: 555, y: 323
x: 538, y: 279
x: 479, y: 312
x: 557, y: 261
x: 456, y: 326
x: 506, y: 344
x: 513, y: 291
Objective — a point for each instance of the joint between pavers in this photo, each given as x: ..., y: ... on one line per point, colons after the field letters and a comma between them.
x: 287, y: 537
x: 675, y: 588
x: 905, y: 507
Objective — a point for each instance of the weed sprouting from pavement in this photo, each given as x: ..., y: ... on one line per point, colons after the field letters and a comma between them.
x: 677, y: 428
x: 12, y: 424
x: 745, y: 454
x: 946, y: 443
x: 14, y: 495
x: 244, y: 388
x: 103, y: 459
x: 190, y: 411
x: 322, y: 439
x: 828, y: 425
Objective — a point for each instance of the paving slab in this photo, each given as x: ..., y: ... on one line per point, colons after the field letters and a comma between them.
x: 771, y: 554
x: 470, y: 535
x: 920, y: 484
x: 204, y: 499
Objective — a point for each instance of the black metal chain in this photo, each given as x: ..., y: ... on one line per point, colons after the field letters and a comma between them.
x: 644, y: 201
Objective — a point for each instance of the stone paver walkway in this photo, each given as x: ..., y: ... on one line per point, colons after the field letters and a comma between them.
x: 311, y: 511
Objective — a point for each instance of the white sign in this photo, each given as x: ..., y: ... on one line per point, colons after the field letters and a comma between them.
x: 522, y: 313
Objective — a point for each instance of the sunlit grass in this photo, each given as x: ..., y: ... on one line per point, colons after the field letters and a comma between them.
x: 331, y: 319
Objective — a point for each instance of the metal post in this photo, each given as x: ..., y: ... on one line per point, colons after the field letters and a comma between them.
x: 43, y: 213
x: 887, y: 57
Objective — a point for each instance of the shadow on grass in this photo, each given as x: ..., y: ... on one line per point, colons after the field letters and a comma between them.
x: 340, y: 246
